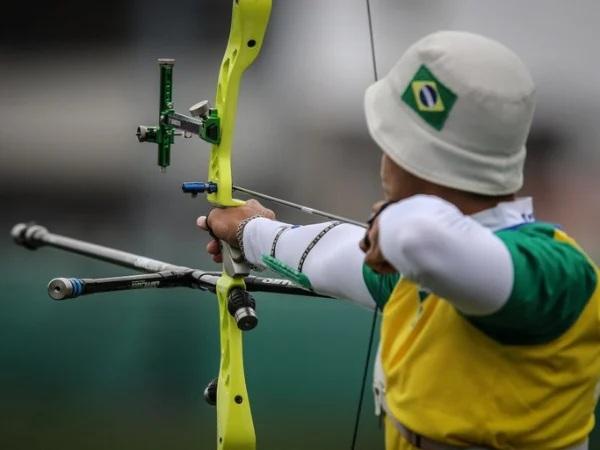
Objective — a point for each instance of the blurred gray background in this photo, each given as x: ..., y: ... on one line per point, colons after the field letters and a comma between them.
x: 127, y: 370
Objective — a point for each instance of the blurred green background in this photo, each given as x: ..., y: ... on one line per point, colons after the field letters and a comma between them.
x: 127, y: 370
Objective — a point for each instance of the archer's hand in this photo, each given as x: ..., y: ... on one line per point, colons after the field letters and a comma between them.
x: 223, y: 224
x: 370, y: 243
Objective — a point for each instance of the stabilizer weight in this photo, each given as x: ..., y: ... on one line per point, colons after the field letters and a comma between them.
x: 210, y: 392
x: 65, y: 288
x: 28, y: 235
x: 241, y: 306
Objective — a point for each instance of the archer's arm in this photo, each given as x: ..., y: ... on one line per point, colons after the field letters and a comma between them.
x: 328, y: 255
x: 432, y: 243
x: 425, y: 238
x: 523, y: 284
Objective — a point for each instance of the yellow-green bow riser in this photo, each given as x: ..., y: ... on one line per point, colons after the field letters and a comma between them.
x: 235, y: 429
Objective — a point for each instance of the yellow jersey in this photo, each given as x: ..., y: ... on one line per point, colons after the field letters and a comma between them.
x: 525, y: 377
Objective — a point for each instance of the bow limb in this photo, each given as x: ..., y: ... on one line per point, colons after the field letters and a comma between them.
x: 248, y: 25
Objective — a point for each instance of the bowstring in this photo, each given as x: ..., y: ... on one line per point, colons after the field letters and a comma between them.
x: 364, y: 380
x: 374, y: 320
x: 372, y: 39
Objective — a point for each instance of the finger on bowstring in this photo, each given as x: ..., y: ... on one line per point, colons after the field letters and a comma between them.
x: 375, y: 214
x: 365, y: 243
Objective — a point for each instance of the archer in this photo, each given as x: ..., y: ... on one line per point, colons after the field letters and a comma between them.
x: 490, y: 319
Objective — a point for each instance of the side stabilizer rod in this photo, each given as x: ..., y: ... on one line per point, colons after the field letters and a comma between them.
x: 68, y: 288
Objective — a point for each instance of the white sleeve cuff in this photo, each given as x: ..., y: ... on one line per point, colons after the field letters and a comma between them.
x: 258, y: 238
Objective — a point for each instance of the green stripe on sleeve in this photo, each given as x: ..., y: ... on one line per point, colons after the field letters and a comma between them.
x: 380, y: 286
x: 553, y: 282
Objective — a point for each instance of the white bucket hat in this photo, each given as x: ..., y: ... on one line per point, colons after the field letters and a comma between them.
x: 455, y: 110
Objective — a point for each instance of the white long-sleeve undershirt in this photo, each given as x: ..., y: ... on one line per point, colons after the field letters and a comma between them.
x: 427, y: 239
x: 334, y: 265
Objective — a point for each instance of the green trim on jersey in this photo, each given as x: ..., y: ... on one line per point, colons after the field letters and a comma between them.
x: 380, y: 286
x: 553, y: 282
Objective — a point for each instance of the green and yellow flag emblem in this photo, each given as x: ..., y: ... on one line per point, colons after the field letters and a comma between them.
x: 429, y: 98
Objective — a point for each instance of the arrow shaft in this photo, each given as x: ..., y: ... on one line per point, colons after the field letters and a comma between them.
x: 303, y: 208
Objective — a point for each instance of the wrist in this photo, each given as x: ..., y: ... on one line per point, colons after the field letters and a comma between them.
x: 239, y: 235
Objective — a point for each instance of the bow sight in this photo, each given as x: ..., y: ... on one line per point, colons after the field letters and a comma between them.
x: 204, y: 122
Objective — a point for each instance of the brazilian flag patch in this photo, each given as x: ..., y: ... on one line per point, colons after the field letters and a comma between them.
x: 429, y: 98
